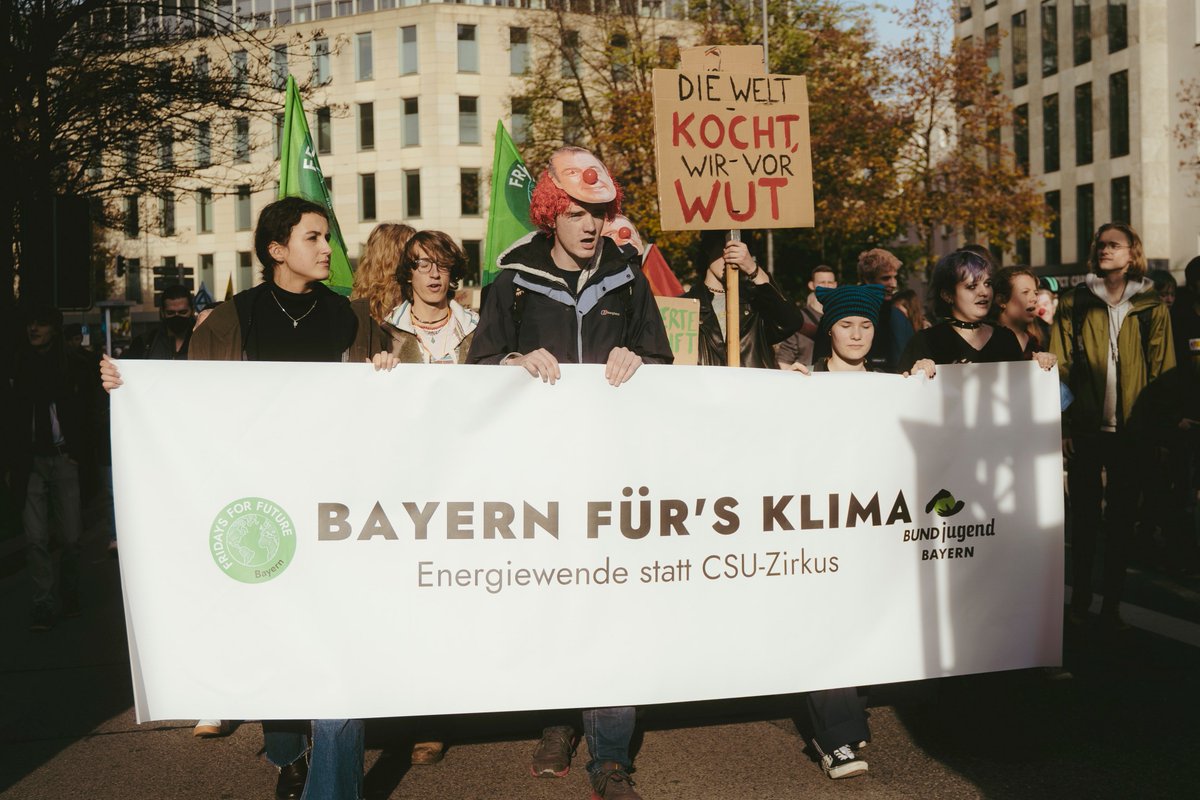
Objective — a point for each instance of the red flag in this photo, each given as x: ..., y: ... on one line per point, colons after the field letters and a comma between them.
x: 662, y: 280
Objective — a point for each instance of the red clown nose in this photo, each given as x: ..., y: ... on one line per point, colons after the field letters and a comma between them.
x: 624, y: 232
x: 590, y: 176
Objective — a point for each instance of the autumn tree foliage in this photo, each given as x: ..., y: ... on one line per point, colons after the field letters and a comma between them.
x: 954, y: 170
x: 106, y: 99
x: 1186, y: 131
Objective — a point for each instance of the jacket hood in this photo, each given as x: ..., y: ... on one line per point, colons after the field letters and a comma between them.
x: 1132, y: 289
x: 531, y: 255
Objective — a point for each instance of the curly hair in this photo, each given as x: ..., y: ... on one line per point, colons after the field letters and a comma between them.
x: 375, y: 277
x: 549, y: 202
x: 437, y: 246
x: 1137, y: 256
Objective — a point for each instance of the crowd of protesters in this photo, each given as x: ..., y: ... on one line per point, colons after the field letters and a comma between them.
x: 1126, y: 345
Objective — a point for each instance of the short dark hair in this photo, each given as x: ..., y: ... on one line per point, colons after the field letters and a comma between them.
x: 275, y: 224
x: 948, y: 271
x: 437, y: 246
x: 1191, y: 273
x: 43, y: 314
x: 812, y: 276
x: 1162, y: 279
x: 177, y: 291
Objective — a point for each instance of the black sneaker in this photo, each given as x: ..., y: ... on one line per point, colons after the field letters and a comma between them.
x: 842, y: 762
x: 552, y: 757
x: 42, y: 619
x: 612, y: 782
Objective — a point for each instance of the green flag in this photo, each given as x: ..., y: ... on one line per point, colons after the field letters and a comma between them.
x: 508, y: 213
x: 300, y: 176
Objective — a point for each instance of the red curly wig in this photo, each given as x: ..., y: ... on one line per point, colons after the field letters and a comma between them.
x: 549, y: 202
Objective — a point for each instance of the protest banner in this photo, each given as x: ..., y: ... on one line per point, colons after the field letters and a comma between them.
x: 331, y: 573
x: 681, y: 318
x: 732, y: 150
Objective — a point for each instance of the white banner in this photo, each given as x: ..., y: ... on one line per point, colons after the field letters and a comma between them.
x: 321, y: 540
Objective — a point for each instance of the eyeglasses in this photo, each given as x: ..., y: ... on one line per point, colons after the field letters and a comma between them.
x: 426, y: 265
x: 1102, y: 246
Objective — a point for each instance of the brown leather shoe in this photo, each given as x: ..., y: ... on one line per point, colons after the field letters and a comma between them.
x: 425, y: 753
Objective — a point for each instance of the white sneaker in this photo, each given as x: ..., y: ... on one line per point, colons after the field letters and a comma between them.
x: 207, y: 728
x: 842, y: 762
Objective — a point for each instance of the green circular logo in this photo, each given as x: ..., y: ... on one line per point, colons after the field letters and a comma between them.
x: 252, y: 540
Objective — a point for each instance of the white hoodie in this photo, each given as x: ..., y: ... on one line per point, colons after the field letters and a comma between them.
x: 1116, y: 318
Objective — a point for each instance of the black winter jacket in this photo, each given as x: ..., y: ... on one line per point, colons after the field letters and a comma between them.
x: 528, y: 307
x: 767, y: 319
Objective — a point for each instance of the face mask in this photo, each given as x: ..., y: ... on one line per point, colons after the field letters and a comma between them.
x: 178, y: 326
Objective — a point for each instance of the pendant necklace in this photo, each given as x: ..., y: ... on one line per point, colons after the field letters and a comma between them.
x: 295, y: 320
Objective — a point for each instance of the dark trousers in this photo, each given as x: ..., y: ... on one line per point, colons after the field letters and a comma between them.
x: 1119, y: 456
x: 839, y: 717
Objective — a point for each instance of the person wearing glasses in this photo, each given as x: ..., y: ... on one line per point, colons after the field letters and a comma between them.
x: 170, y: 339
x: 429, y: 326
x: 1112, y: 336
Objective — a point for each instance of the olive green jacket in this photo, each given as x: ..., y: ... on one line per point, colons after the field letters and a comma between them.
x: 1135, y: 370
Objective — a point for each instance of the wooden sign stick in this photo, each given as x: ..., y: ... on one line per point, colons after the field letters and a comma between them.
x: 733, y: 316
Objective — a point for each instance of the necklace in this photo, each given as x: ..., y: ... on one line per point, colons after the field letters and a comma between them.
x: 438, y: 321
x: 295, y: 320
x: 966, y: 326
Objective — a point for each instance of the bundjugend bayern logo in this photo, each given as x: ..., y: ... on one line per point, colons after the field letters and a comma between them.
x: 252, y: 540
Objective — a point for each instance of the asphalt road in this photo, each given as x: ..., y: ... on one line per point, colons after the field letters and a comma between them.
x: 1120, y: 725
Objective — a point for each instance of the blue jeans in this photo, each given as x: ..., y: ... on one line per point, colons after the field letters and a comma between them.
x: 335, y: 763
x: 608, y: 732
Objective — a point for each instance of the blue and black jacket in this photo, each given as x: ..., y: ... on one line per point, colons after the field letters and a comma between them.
x: 528, y: 307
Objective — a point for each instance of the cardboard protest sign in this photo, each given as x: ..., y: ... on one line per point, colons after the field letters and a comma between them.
x: 732, y: 150
x: 723, y: 58
x: 681, y: 318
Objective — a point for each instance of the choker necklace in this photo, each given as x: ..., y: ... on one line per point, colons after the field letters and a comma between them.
x: 966, y: 326
x: 428, y: 322
x: 295, y: 320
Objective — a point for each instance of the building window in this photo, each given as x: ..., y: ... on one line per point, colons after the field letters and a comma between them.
x: 245, y: 266
x: 1050, y: 133
x: 1020, y: 50
x: 1083, y: 123
x: 206, y: 272
x: 279, y: 67
x: 320, y: 62
x: 572, y: 122
x: 241, y: 71
x: 618, y: 56
x: 518, y: 50
x: 366, y: 126
x: 469, y: 192
x: 324, y: 131
x: 133, y: 280
x: 166, y: 150
x: 991, y: 43
x: 964, y: 10
x: 1118, y: 113
x: 1049, y: 37
x: 1021, y: 137
x: 410, y: 134
x: 200, y: 69
x: 131, y: 155
x: 204, y: 144
x: 1021, y: 251
x: 1081, y: 31
x: 468, y: 49
x: 166, y: 214
x: 133, y: 227
x: 408, y: 50
x: 520, y: 120
x: 364, y: 63
x: 241, y: 140
x: 472, y: 249
x: 204, y: 211
x: 329, y: 185
x: 366, y: 198
x: 1054, y: 235
x: 278, y: 135
x: 1118, y: 25
x: 324, y: 9
x: 1085, y: 220
x: 1122, y: 210
x: 570, y: 53
x: 241, y: 208
x: 412, y: 193
x: 468, y: 120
